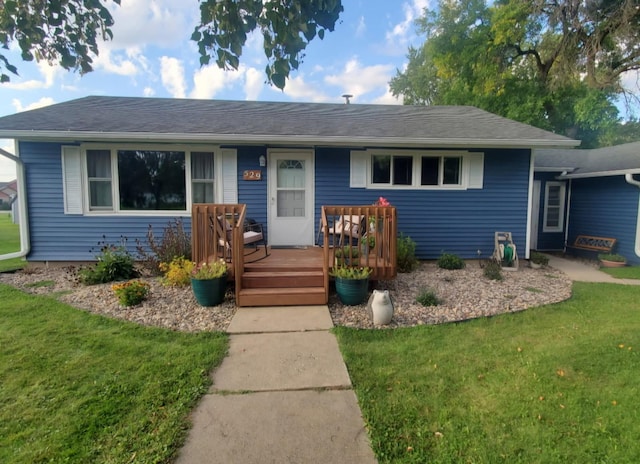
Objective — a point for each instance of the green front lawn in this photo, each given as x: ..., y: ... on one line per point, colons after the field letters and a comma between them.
x: 555, y: 384
x: 9, y: 243
x: 80, y: 388
x: 627, y: 272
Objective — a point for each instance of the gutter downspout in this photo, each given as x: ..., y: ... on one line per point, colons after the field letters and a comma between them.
x: 568, y: 212
x: 630, y: 180
x: 25, y: 243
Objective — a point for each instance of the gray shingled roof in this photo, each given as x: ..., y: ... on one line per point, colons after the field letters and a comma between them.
x: 100, y: 118
x: 619, y: 159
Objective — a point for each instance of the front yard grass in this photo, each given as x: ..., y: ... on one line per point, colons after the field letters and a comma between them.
x: 76, y: 387
x: 9, y: 243
x: 627, y: 272
x: 555, y: 384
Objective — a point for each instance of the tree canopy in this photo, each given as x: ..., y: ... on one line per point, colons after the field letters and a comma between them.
x: 286, y: 26
x: 60, y: 31
x: 65, y: 31
x: 554, y: 64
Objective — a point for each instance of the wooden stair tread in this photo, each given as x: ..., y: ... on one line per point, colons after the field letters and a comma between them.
x: 281, y: 290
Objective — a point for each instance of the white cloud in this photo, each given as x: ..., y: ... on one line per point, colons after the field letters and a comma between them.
x: 166, y: 23
x: 210, y: 80
x: 47, y: 71
x: 148, y: 92
x: 388, y: 99
x: 44, y: 101
x: 361, y: 27
x: 402, y: 33
x: 254, y: 83
x: 298, y: 89
x: 631, y: 81
x: 359, y: 80
x: 172, y: 75
x: 114, y: 63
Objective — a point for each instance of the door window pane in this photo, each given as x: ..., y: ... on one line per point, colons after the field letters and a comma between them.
x: 291, y: 188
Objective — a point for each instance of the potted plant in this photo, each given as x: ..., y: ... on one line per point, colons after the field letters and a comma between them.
x: 352, y: 283
x: 347, y: 256
x: 612, y: 260
x: 209, y: 282
x: 538, y: 260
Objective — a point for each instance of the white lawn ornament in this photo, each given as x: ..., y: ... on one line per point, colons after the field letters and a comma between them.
x: 380, y: 307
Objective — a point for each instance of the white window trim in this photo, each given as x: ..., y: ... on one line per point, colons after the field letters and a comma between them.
x: 465, y: 175
x: 114, y: 148
x: 562, y: 195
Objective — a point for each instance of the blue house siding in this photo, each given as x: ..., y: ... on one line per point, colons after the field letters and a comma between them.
x: 253, y: 193
x: 56, y: 236
x: 549, y: 240
x: 606, y: 207
x: 461, y: 221
x: 457, y: 221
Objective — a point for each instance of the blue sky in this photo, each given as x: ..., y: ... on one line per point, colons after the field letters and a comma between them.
x: 152, y: 55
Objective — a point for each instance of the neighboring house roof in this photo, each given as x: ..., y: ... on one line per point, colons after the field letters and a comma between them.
x: 244, y: 122
x: 9, y: 188
x: 597, y: 162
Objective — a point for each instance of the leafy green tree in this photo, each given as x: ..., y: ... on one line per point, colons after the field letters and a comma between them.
x: 553, y: 64
x: 286, y: 26
x: 65, y: 31
x: 62, y: 31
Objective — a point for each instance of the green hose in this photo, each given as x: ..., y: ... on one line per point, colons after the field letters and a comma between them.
x: 508, y: 254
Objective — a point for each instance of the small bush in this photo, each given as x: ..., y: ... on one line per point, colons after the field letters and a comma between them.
x: 427, y: 297
x: 131, y: 293
x: 114, y: 263
x: 539, y: 258
x: 175, y: 242
x: 177, y: 273
x: 493, y: 270
x: 406, y: 249
x: 450, y: 261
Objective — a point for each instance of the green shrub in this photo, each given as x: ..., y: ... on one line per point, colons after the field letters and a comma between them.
x: 351, y: 272
x: 539, y: 258
x: 612, y: 257
x: 175, y: 242
x: 177, y: 273
x: 450, y: 261
x: 131, y: 293
x: 406, y: 249
x: 427, y: 297
x: 114, y: 263
x: 493, y: 270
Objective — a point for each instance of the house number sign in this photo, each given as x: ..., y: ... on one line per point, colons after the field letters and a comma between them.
x: 252, y: 174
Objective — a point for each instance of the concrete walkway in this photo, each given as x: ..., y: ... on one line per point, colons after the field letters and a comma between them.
x: 581, y: 272
x: 282, y: 395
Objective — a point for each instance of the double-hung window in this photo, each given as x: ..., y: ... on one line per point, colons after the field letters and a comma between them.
x: 554, y: 207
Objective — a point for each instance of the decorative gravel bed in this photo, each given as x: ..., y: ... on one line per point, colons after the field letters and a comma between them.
x: 464, y: 294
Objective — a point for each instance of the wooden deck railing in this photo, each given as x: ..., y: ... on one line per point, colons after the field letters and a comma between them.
x: 364, y: 235
x: 211, y: 239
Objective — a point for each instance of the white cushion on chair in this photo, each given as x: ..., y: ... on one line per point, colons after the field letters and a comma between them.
x: 251, y: 236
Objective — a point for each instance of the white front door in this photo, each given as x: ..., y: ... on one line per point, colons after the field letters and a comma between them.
x: 291, y: 197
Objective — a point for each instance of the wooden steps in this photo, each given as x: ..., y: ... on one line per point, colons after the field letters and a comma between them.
x: 285, y: 278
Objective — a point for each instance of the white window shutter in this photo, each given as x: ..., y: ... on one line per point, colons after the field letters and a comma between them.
x: 72, y: 180
x: 358, y: 173
x: 476, y: 170
x: 229, y: 176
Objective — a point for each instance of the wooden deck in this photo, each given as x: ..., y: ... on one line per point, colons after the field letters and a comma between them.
x: 294, y: 276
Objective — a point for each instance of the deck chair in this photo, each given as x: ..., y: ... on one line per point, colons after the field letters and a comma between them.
x: 347, y: 226
x: 252, y: 237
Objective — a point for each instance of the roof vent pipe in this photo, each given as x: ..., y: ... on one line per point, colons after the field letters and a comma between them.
x: 347, y: 97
